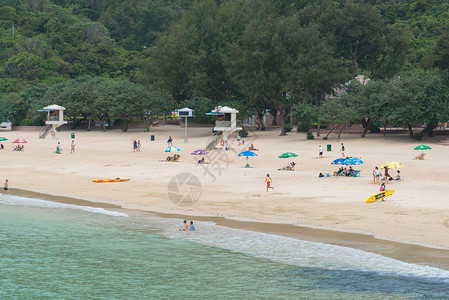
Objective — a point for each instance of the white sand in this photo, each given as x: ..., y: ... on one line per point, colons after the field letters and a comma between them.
x: 418, y: 212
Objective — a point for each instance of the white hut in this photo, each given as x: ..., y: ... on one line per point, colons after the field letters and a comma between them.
x: 226, y: 123
x: 55, y: 119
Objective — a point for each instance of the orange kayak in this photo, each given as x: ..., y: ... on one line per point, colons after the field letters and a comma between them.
x: 110, y: 180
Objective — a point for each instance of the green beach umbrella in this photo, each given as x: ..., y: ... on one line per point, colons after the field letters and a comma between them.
x: 422, y: 147
x: 3, y: 139
x: 287, y: 155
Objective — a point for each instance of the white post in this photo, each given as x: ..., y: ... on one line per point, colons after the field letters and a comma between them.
x: 185, y: 125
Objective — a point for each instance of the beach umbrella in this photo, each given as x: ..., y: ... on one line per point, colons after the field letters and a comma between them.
x: 172, y: 149
x: 247, y: 154
x: 199, y: 152
x: 3, y: 139
x: 422, y: 147
x: 338, y: 161
x: 392, y: 165
x: 352, y: 161
x: 287, y: 155
x: 19, y: 140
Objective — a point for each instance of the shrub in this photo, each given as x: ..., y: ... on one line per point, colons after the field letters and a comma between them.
x: 26, y: 122
x: 325, y: 138
x: 288, y: 127
x: 243, y: 132
x: 373, y: 128
x: 418, y: 136
x: 302, y: 127
x: 310, y: 136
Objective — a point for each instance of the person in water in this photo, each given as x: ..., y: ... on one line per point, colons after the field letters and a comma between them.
x: 192, y: 227
x: 185, y: 227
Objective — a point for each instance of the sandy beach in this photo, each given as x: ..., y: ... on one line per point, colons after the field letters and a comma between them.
x: 417, y: 213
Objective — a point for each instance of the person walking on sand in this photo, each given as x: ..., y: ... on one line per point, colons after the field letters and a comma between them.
x: 320, y: 151
x: 5, y: 188
x: 138, y: 145
x: 376, y: 175
x: 72, y: 147
x: 268, y: 180
x: 170, y: 141
x: 342, y: 150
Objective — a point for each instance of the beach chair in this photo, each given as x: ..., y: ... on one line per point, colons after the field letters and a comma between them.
x: 421, y: 156
x: 176, y: 158
x: 355, y: 174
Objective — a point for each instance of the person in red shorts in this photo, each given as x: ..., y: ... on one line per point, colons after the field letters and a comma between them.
x: 268, y: 180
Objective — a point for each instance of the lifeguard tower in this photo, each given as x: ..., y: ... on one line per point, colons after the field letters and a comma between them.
x: 55, y: 119
x: 225, y: 124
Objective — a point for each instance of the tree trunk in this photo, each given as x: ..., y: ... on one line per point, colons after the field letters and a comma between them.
x: 385, y: 131
x: 282, y: 113
x: 89, y: 122
x: 318, y: 130
x: 366, y: 123
x: 428, y: 130
x: 410, y: 130
x: 339, y: 133
x: 331, y: 131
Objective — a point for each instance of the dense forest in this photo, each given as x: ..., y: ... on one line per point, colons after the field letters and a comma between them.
x: 124, y: 59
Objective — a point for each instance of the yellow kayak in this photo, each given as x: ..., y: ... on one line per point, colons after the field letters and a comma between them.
x: 378, y: 196
x: 110, y: 180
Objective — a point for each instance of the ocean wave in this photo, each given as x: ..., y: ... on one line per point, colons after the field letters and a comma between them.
x: 301, y: 253
x: 32, y: 202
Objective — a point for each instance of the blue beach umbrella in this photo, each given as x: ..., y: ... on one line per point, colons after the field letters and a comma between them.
x: 247, y: 154
x: 172, y: 149
x: 352, y: 161
x: 338, y: 161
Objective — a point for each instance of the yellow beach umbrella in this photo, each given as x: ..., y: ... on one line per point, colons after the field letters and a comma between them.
x: 392, y: 165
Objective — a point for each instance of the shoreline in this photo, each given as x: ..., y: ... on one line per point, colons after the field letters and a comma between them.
x: 425, y: 255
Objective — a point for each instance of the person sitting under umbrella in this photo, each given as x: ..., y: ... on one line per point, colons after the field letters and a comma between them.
x: 202, y: 161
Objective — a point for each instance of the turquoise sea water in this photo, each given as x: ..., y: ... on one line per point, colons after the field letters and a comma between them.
x: 51, y: 250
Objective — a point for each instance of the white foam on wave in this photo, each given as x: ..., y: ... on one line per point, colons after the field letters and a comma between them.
x: 300, y: 253
x: 23, y: 201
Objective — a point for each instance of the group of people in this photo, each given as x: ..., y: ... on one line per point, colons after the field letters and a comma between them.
x: 136, y: 146
x: 344, y: 172
x: 18, y: 148
x: 377, y: 176
x: 173, y: 158
x: 289, y: 167
x: 186, y: 226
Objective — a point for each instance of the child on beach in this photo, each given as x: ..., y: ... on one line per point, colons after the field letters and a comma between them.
x: 72, y: 147
x: 320, y: 151
x: 342, y: 150
x: 170, y: 141
x: 268, y: 180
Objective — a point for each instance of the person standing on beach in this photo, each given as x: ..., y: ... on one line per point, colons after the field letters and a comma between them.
x: 170, y: 141
x: 342, y: 150
x: 5, y: 188
x: 321, y: 151
x: 72, y: 147
x: 376, y: 175
x: 138, y: 145
x: 268, y: 180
